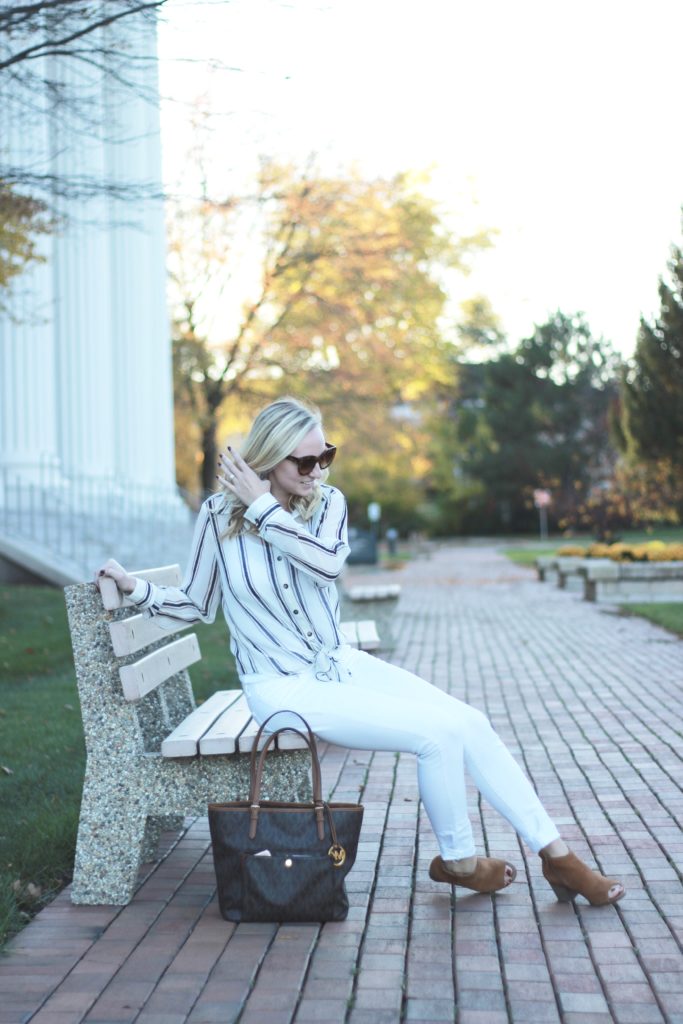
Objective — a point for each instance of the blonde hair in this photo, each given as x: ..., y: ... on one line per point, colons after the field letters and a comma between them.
x: 274, y: 434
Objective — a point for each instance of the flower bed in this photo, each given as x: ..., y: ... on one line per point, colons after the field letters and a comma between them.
x: 652, y: 551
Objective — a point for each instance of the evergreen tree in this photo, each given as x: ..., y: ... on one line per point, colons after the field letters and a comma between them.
x: 653, y: 389
x: 536, y: 416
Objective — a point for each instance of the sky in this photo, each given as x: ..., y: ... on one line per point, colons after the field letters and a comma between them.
x: 554, y: 123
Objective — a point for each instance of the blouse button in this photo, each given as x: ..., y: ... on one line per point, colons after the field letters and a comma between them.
x: 279, y: 558
x: 286, y: 586
x: 296, y: 611
x: 309, y: 633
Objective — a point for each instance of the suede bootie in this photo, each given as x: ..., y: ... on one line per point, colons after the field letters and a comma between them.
x: 488, y: 876
x: 570, y: 877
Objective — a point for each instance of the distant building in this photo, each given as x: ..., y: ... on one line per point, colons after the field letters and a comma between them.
x: 86, y: 398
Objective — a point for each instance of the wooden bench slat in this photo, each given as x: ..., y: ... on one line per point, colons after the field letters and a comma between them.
x: 290, y: 741
x: 147, y: 673
x: 184, y: 740
x: 245, y: 740
x: 286, y: 741
x: 362, y: 633
x: 223, y: 735
x: 349, y: 632
x: 133, y: 634
x: 164, y: 576
x: 368, y: 637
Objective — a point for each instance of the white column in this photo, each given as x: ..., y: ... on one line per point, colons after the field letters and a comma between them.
x: 82, y: 309
x: 144, y: 446
x: 28, y: 421
x: 85, y: 366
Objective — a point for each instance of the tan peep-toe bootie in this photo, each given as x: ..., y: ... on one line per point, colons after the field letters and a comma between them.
x: 488, y: 876
x: 570, y: 877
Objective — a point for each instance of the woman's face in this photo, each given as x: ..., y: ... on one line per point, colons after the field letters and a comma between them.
x: 285, y: 480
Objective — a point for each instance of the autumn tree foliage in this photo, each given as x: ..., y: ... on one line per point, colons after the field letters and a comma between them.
x: 22, y: 221
x: 636, y: 494
x: 346, y: 300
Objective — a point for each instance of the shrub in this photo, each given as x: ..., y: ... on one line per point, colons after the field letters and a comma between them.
x: 667, y: 553
x: 598, y: 550
x: 620, y: 553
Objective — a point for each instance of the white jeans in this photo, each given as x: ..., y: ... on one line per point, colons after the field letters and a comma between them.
x: 381, y: 707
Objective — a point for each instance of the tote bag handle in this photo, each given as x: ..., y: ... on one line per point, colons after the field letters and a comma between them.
x: 257, y: 770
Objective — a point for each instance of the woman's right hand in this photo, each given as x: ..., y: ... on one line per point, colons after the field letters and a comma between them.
x: 124, y: 582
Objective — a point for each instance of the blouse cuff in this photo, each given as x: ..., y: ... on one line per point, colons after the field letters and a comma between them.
x: 261, y: 509
x: 141, y: 593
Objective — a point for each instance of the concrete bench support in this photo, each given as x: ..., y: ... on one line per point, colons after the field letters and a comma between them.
x: 568, y: 575
x: 546, y: 569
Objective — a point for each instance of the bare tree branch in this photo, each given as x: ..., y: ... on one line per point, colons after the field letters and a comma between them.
x: 269, y: 276
x: 79, y: 186
x: 48, y: 48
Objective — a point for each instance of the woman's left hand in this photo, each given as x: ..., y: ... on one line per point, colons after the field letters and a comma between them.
x: 240, y: 479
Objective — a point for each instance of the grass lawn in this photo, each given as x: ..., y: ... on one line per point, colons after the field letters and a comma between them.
x: 42, y: 750
x: 528, y: 556
x: 668, y: 614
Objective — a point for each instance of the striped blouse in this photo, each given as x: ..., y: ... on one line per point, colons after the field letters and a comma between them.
x: 276, y: 585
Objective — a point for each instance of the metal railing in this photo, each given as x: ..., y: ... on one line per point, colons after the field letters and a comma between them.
x: 83, y: 520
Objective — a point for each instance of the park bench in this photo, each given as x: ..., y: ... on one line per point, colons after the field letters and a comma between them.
x: 568, y: 575
x: 560, y: 569
x: 624, y: 582
x: 361, y: 634
x: 546, y: 569
x: 153, y: 756
x: 374, y: 592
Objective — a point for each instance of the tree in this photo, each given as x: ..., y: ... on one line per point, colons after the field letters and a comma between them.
x: 479, y: 330
x: 653, y: 385
x: 59, y: 28
x: 54, y: 56
x: 535, y: 416
x: 644, y: 494
x: 346, y: 305
x: 38, y: 42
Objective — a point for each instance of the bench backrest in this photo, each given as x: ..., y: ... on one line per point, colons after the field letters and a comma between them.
x: 132, y: 676
x: 133, y: 634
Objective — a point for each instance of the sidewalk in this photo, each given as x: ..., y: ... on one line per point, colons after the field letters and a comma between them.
x: 588, y: 701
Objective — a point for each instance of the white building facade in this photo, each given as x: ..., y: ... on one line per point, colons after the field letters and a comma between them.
x: 86, y: 391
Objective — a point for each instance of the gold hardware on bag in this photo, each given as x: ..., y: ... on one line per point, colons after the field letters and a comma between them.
x: 337, y: 854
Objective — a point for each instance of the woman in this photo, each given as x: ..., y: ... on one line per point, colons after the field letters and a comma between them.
x: 269, y: 547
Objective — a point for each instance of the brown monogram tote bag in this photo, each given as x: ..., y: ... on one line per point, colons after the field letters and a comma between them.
x: 278, y: 861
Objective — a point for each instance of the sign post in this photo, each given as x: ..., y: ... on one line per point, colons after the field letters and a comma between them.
x: 542, y: 499
x: 374, y: 516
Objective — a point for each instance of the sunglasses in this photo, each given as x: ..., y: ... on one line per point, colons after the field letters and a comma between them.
x: 306, y: 463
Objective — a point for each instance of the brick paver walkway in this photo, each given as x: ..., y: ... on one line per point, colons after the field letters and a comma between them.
x: 590, y: 702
